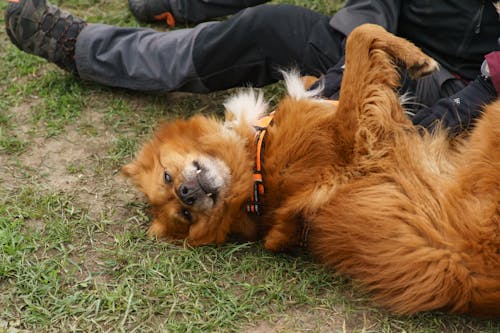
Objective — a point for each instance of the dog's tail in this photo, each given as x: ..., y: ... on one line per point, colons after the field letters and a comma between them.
x: 371, y: 78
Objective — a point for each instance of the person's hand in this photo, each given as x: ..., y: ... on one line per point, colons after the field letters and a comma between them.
x: 457, y: 113
x: 331, y: 81
x: 445, y: 113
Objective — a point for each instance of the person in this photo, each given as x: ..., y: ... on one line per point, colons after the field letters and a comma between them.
x: 251, y: 47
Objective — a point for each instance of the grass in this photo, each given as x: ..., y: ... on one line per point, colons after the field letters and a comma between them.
x: 73, y: 250
x: 64, y: 268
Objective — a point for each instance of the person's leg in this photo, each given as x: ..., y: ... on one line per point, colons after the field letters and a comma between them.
x: 187, y: 11
x: 139, y: 59
x: 253, y: 46
x: 249, y: 48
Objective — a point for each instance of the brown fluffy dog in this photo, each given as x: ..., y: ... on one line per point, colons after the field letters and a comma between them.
x: 412, y: 217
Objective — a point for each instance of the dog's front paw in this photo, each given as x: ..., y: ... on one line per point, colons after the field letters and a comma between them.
x: 157, y: 229
x: 276, y: 241
x: 422, y: 66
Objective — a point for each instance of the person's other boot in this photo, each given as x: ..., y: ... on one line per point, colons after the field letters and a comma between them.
x: 152, y: 10
x: 42, y: 29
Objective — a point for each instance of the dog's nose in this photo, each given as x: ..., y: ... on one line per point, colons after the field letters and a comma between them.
x: 188, y: 193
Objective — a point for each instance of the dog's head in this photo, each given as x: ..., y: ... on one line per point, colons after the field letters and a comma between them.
x: 197, y: 173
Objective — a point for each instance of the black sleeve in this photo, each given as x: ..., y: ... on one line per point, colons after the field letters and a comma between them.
x: 356, y: 12
x: 459, y: 111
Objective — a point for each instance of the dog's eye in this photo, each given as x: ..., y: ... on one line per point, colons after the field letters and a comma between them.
x: 187, y: 215
x: 167, y: 178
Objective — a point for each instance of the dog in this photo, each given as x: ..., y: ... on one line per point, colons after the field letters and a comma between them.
x: 413, y: 217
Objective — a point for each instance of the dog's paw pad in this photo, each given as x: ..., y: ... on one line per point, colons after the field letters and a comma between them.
x: 423, y: 66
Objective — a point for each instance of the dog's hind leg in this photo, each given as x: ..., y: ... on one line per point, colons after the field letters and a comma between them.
x: 370, y: 80
x: 480, y: 173
x: 477, y: 193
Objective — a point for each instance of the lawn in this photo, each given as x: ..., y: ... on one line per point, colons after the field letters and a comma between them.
x: 73, y: 251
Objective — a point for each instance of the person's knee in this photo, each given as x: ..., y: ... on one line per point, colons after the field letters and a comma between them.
x: 263, y: 18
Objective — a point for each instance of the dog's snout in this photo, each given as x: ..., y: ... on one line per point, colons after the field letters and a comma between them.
x: 187, y: 193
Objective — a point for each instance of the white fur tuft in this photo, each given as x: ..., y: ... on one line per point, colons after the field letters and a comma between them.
x: 247, y: 106
x: 409, y: 103
x: 295, y: 86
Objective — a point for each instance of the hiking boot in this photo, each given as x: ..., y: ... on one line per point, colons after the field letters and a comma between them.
x: 42, y: 29
x: 152, y: 10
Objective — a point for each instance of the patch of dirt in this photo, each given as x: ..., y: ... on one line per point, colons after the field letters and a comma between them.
x: 52, y: 157
x: 66, y: 163
x: 22, y: 118
x: 75, y: 163
x: 318, y: 320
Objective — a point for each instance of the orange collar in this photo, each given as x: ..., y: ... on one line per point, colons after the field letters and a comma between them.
x: 258, y: 187
x: 254, y: 205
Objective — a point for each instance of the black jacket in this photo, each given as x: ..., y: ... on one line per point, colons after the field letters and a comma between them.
x: 457, y: 33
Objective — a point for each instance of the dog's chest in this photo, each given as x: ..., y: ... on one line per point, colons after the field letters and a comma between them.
x: 295, y: 159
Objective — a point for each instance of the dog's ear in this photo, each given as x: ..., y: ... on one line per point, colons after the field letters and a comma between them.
x: 134, y: 172
x: 245, y: 107
x: 130, y: 170
x: 134, y: 168
x: 202, y: 233
x: 209, y: 231
x: 144, y: 164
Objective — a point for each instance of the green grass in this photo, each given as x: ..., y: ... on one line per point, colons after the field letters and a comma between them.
x: 73, y: 251
x: 10, y: 144
x: 58, y: 277
x: 63, y: 99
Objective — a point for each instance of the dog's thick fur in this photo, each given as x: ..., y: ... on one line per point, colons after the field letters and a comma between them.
x: 412, y: 217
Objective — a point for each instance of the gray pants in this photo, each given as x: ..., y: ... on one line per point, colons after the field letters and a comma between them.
x: 139, y: 59
x: 248, y: 49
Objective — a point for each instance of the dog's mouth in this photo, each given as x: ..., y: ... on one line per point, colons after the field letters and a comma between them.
x: 206, y: 183
x: 204, y: 180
